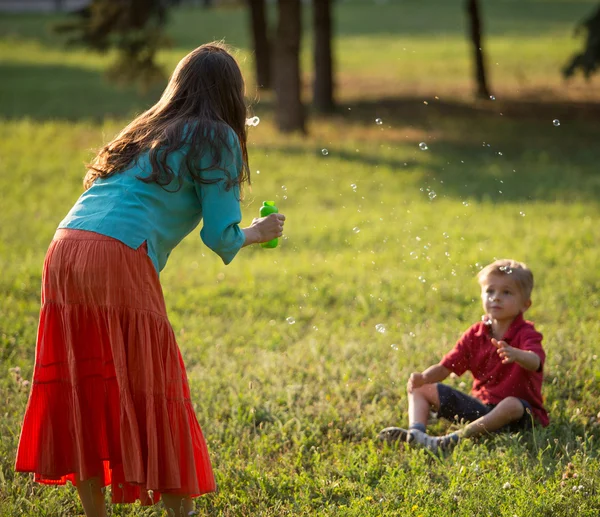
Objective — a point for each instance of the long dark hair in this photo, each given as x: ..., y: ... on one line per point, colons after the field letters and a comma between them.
x: 202, y: 103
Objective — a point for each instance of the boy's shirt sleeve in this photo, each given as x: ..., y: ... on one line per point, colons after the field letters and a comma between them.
x: 458, y: 360
x: 221, y: 211
x: 531, y: 341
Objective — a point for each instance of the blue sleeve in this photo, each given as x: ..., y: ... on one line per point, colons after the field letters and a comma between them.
x: 221, y: 207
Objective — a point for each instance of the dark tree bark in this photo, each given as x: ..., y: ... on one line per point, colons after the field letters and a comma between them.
x: 289, y: 109
x: 323, y: 60
x: 260, y: 38
x: 475, y: 26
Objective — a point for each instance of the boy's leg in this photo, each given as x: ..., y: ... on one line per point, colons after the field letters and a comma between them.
x: 420, y: 401
x: 92, y: 497
x: 508, y: 410
x: 452, y: 405
x: 178, y: 504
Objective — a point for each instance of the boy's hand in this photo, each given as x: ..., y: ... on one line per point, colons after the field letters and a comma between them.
x: 416, y: 380
x: 507, y: 353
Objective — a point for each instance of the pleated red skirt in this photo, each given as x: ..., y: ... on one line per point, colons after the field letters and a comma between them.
x: 110, y: 396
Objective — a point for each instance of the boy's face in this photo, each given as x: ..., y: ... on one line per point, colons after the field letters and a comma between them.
x: 502, y: 298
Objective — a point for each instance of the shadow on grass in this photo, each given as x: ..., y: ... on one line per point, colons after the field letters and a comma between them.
x: 470, y: 172
x: 509, y: 151
x: 43, y: 92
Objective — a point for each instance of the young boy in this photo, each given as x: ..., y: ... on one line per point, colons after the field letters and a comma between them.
x: 505, y: 356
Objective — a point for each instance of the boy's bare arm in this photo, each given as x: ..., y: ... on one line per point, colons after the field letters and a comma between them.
x: 433, y: 374
x: 525, y: 358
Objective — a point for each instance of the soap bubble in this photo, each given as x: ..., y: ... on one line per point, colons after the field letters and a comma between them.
x: 356, y: 229
x: 253, y: 121
x: 423, y: 146
x: 325, y: 152
x: 492, y: 98
x: 290, y: 320
x: 556, y: 122
x: 432, y: 195
x: 378, y: 121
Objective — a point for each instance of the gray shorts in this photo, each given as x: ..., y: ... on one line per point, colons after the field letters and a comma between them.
x: 456, y: 405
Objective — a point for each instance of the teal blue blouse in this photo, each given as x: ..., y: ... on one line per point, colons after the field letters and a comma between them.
x: 125, y: 208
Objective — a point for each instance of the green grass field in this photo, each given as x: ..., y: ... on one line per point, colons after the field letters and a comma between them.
x: 291, y: 380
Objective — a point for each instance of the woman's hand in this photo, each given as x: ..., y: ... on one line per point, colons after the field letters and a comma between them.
x: 264, y: 229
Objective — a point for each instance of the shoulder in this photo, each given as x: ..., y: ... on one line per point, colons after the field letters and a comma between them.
x: 215, y: 132
x: 528, y: 330
x: 481, y: 328
x: 529, y: 336
x: 474, y: 331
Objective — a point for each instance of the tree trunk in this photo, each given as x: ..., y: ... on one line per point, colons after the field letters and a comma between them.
x: 289, y: 109
x: 480, y: 75
x: 260, y: 38
x: 323, y: 82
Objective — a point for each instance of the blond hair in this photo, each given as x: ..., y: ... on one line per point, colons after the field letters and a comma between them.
x: 518, y: 271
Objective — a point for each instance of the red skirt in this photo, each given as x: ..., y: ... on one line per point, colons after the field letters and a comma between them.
x: 110, y: 396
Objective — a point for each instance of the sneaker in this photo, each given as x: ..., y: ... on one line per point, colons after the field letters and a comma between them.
x: 393, y: 434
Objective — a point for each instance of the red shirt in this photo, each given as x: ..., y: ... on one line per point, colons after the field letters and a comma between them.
x: 492, y: 380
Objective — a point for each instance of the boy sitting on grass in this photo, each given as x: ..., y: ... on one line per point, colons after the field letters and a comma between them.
x: 505, y: 356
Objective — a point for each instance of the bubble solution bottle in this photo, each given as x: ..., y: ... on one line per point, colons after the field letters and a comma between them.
x: 267, y: 208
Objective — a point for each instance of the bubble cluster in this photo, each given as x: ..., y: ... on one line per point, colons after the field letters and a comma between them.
x: 252, y: 121
x: 380, y: 327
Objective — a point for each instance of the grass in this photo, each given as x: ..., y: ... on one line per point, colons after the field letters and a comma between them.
x: 290, y: 410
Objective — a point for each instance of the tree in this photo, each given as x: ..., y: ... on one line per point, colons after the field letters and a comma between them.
x: 588, y: 60
x: 473, y: 13
x: 133, y: 27
x: 289, y: 108
x: 260, y: 38
x: 323, y: 61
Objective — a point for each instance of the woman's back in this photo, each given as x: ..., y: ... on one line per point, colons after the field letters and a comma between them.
x: 124, y: 207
